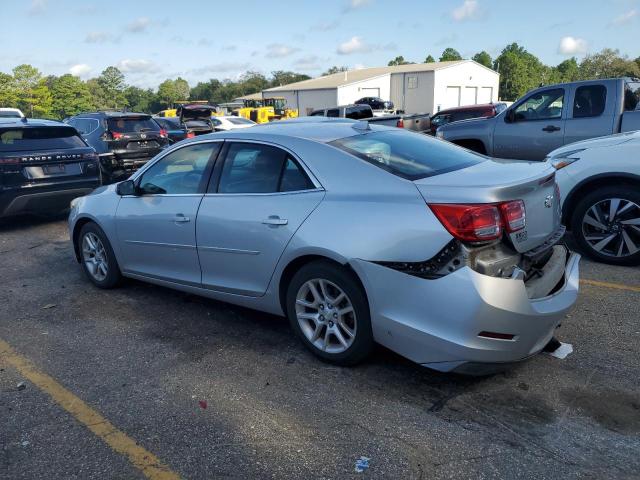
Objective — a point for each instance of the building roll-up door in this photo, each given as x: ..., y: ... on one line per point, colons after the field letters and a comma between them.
x: 452, y: 97
x: 485, y: 95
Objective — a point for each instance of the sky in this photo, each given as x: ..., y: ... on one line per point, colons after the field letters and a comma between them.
x: 151, y: 40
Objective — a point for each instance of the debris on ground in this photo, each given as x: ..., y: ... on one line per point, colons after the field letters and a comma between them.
x: 202, y: 403
x: 25, y: 443
x: 21, y: 386
x: 48, y: 306
x: 362, y: 464
x: 562, y: 351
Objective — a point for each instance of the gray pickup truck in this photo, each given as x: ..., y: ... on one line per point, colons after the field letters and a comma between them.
x: 552, y: 116
x: 417, y: 122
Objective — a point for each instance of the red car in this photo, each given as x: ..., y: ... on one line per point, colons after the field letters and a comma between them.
x: 463, y: 113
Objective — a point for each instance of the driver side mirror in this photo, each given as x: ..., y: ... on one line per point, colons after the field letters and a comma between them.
x: 510, y: 116
x: 128, y: 187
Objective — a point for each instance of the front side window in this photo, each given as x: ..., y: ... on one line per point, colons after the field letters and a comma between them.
x: 441, y: 119
x: 333, y: 112
x: 256, y: 168
x: 545, y: 105
x: 589, y: 101
x: 182, y: 171
x: 408, y: 155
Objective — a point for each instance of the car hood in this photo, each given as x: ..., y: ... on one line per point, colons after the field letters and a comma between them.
x: 598, y: 142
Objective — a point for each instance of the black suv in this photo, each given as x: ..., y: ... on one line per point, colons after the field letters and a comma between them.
x: 43, y: 166
x: 376, y: 103
x: 124, y: 141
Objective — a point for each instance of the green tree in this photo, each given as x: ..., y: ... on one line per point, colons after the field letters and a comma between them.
x: 140, y: 100
x: 206, y: 90
x: 8, y: 91
x: 70, y: 96
x: 399, y: 60
x: 608, y: 63
x: 40, y: 101
x: 182, y: 88
x: 281, y: 77
x: 567, y: 71
x: 252, y: 82
x: 26, y: 79
x: 450, y: 54
x: 483, y: 58
x: 429, y: 59
x: 519, y: 71
x: 98, y: 95
x: 334, y: 69
x: 167, y: 93
x: 111, y: 80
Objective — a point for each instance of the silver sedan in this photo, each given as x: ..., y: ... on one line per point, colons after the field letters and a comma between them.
x: 358, y: 234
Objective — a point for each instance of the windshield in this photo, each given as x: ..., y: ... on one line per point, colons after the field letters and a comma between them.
x: 408, y: 155
x: 132, y: 124
x: 39, y: 138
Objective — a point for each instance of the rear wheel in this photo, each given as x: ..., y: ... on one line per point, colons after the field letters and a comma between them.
x: 97, y: 257
x: 606, y: 225
x: 329, y: 311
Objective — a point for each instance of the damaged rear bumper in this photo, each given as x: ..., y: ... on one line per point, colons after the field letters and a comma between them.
x: 437, y: 322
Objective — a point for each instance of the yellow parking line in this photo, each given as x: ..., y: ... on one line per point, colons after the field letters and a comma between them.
x: 617, y: 286
x: 140, y: 458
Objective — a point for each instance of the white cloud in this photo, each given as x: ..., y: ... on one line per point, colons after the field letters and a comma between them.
x: 469, y: 10
x: 354, y: 45
x: 37, y: 7
x: 307, y: 63
x: 130, y: 65
x: 278, y: 50
x: 325, y: 26
x: 99, y: 37
x: 81, y: 70
x: 356, y: 4
x: 572, y: 46
x: 223, y: 67
x: 625, y: 18
x: 139, y: 25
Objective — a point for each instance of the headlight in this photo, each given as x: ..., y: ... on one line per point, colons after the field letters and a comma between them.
x: 564, y: 159
x: 439, y: 134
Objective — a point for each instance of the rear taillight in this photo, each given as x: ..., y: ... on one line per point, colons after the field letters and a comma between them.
x: 400, y: 123
x: 513, y: 215
x: 117, y: 135
x: 470, y: 223
x: 163, y: 133
x: 480, y: 222
x: 190, y: 135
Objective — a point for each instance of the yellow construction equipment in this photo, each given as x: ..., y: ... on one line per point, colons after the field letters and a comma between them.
x: 265, y: 110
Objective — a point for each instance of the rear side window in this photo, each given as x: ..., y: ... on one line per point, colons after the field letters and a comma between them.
x: 39, y: 138
x: 333, y: 112
x: 632, y: 96
x: 408, y: 155
x: 132, y: 124
x: 85, y: 125
x: 256, y: 168
x: 589, y: 101
x: 317, y: 113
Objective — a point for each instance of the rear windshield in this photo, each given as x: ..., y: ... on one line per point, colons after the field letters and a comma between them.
x: 9, y: 114
x: 132, y: 124
x: 240, y: 121
x: 408, y: 155
x: 39, y: 138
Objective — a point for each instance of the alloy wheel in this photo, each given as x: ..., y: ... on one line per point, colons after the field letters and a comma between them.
x: 326, y: 315
x: 94, y: 256
x: 612, y: 227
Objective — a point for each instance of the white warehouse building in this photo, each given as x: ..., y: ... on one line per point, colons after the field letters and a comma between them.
x: 414, y: 88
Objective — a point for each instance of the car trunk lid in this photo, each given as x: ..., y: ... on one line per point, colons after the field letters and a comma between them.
x: 495, y: 181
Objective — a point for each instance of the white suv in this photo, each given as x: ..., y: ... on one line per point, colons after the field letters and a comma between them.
x: 599, y: 181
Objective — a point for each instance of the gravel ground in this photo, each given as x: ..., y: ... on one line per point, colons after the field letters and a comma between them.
x: 146, y: 357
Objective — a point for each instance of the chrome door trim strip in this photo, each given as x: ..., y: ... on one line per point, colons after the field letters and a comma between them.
x: 159, y: 244
x: 230, y: 250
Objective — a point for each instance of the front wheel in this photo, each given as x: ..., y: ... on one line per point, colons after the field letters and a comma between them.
x: 97, y: 257
x: 329, y: 311
x: 606, y: 225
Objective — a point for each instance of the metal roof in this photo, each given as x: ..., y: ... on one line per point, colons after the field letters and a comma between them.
x: 352, y: 76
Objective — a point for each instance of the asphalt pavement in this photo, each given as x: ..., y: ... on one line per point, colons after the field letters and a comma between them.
x: 143, y: 381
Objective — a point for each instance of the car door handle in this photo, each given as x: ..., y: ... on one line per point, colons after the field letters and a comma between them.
x: 180, y: 218
x: 275, y: 220
x: 550, y: 128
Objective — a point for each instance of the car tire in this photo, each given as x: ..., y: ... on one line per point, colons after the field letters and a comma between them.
x: 97, y: 257
x: 604, y: 240
x: 335, y: 321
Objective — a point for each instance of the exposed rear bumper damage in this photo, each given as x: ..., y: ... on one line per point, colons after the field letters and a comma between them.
x: 437, y: 322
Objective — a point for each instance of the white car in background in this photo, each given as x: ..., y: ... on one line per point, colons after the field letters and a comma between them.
x: 11, y: 113
x: 231, y: 123
x: 599, y: 182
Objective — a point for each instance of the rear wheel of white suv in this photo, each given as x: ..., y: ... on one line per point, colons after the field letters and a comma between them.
x: 328, y: 310
x: 606, y: 225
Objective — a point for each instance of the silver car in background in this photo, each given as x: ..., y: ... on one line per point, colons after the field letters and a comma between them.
x: 358, y: 234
